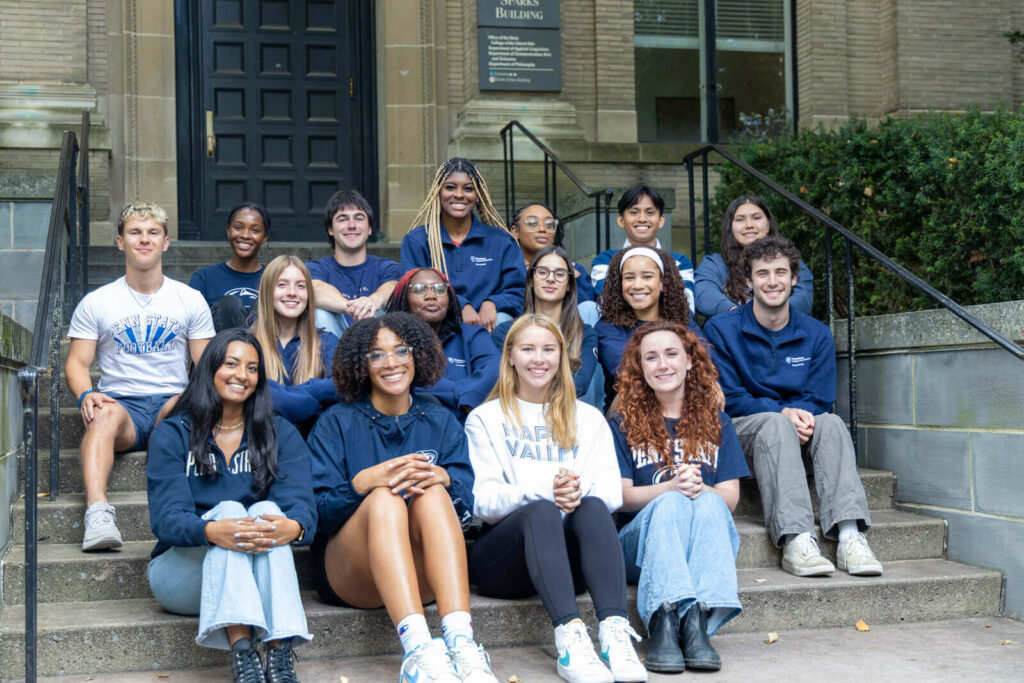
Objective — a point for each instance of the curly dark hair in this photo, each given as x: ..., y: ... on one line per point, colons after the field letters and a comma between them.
x: 642, y: 423
x: 349, y: 368
x: 672, y: 304
x: 768, y: 248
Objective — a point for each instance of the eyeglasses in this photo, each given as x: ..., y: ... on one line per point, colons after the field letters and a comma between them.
x: 377, y: 358
x: 533, y: 225
x: 420, y: 288
x: 560, y: 274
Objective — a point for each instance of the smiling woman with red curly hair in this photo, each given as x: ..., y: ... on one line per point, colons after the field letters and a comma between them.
x: 680, y: 461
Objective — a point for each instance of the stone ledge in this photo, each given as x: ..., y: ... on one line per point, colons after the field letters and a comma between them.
x: 26, y: 134
x: 15, y: 342
x: 932, y: 329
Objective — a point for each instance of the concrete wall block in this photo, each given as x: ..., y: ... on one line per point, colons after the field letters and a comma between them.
x: 885, y: 389
x: 988, y: 542
x: 19, y: 273
x: 981, y: 388
x: 25, y: 311
x: 30, y: 223
x: 931, y: 467
x: 998, y: 474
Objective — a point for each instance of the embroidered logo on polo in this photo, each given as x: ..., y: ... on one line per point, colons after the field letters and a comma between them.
x: 797, y: 361
x: 457, y: 362
x: 140, y: 334
x: 480, y: 260
x: 431, y: 455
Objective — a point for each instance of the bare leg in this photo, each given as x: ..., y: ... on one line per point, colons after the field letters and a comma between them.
x: 440, y: 549
x: 111, y: 430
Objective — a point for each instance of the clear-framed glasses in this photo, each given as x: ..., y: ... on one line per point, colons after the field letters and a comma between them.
x: 560, y: 274
x: 377, y: 358
x: 420, y: 288
x: 532, y: 224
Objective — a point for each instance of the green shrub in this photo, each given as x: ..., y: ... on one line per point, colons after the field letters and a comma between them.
x: 942, y: 195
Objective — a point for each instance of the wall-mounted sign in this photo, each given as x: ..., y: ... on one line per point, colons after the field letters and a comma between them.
x: 520, y: 45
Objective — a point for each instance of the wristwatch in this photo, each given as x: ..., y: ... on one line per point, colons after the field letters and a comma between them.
x: 302, y: 535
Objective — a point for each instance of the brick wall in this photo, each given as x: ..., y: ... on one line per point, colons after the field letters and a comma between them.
x: 43, y: 41
x: 96, y: 44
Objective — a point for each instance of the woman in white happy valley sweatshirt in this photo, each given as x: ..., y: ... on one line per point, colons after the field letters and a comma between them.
x: 546, y: 484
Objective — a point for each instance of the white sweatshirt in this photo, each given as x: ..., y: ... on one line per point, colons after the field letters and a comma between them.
x: 514, y: 466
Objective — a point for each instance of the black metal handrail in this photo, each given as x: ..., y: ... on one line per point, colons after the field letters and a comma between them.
x: 851, y: 240
x: 63, y: 277
x: 552, y: 164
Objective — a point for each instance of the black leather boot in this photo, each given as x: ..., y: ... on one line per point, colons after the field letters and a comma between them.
x: 663, y: 653
x: 693, y: 639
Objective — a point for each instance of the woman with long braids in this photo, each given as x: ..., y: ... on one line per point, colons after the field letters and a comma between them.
x: 680, y: 461
x: 230, y: 489
x: 298, y: 355
x: 472, y: 360
x: 551, y: 290
x: 642, y: 284
x: 720, y: 284
x: 477, y: 254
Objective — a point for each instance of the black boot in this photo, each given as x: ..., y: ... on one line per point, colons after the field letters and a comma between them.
x: 693, y: 638
x: 663, y: 653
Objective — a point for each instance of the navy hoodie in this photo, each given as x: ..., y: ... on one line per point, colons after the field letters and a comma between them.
x: 350, y: 437
x: 178, y: 496
x: 472, y: 369
x: 487, y: 266
x: 764, y: 372
x: 299, y: 403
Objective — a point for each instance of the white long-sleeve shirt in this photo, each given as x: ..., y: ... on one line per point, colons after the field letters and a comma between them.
x: 516, y: 465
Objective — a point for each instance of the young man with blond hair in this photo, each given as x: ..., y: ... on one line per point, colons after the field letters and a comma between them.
x: 141, y: 329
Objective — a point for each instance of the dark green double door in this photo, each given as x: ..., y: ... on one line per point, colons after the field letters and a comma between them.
x: 275, y: 106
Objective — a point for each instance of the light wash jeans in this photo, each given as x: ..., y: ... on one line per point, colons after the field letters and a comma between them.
x: 226, y: 587
x: 679, y: 550
x: 335, y: 323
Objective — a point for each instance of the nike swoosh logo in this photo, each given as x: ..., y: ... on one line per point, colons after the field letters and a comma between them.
x: 604, y: 654
x: 564, y: 659
x: 414, y: 676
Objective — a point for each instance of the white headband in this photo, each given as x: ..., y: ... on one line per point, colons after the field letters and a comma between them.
x: 643, y: 251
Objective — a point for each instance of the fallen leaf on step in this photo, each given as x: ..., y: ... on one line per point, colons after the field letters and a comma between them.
x: 343, y: 679
x: 1006, y: 642
x: 163, y: 675
x: 772, y: 637
x: 760, y: 580
x: 862, y: 626
x: 513, y: 679
x: 988, y: 625
x: 44, y: 494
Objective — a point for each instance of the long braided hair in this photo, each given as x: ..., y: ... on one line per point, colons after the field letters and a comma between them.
x: 430, y: 212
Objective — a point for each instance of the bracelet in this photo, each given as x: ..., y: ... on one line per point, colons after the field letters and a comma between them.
x: 90, y: 391
x: 302, y: 535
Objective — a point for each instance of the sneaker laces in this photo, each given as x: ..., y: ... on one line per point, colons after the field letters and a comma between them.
x: 619, y: 633
x: 433, y: 658
x: 99, y: 515
x: 578, y: 643
x: 806, y: 546
x: 470, y: 656
x: 281, y: 664
x: 858, y: 545
x: 245, y: 666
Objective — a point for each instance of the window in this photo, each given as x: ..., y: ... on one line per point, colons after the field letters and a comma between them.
x: 754, y: 76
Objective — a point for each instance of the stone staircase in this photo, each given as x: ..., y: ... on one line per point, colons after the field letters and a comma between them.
x: 96, y: 613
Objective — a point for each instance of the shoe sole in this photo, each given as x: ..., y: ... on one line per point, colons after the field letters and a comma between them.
x: 665, y: 667
x: 102, y: 544
x: 797, y: 571
x: 703, y: 665
x: 861, y: 572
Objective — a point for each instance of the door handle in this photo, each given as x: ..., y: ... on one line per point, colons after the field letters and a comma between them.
x: 211, y: 139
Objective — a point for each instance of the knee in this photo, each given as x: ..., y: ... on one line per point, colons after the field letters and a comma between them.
x: 543, y: 515
x: 264, y: 507
x: 671, y: 505
x: 108, y: 420
x: 382, y: 502
x: 829, y: 423
x: 709, y: 506
x: 226, y: 509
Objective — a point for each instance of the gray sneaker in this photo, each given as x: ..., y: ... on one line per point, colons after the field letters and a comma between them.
x: 801, y: 557
x: 100, y: 529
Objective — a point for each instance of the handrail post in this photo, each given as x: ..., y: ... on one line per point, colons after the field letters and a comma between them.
x: 693, y: 209
x: 830, y: 292
x: 707, y: 203
x: 83, y: 214
x: 597, y: 224
x: 547, y: 195
x: 29, y: 380
x: 851, y: 344
x: 554, y: 187
x: 504, y: 166
x: 511, y: 173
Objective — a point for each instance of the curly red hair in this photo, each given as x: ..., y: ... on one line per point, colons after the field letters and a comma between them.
x: 698, y: 426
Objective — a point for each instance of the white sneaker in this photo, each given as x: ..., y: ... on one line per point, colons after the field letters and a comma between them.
x: 429, y: 663
x: 855, y: 556
x: 577, y: 661
x: 472, y: 663
x: 617, y: 651
x: 801, y: 557
x: 100, y: 529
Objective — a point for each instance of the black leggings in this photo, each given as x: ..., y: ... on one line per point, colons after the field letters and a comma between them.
x: 534, y: 551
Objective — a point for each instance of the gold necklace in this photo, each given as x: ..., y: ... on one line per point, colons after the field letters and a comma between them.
x: 222, y: 428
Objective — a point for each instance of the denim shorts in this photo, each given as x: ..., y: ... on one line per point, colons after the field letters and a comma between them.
x: 143, y: 411
x: 319, y: 569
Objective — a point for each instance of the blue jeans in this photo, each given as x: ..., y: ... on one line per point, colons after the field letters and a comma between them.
x: 335, y: 323
x: 679, y: 550
x: 225, y: 587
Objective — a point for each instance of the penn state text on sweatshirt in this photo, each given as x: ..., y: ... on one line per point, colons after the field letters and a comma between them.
x: 763, y: 372
x: 179, y: 497
x: 517, y: 464
x: 712, y: 274
x: 486, y: 266
x: 350, y: 437
x: 471, y: 371
x: 300, y: 403
x: 588, y: 354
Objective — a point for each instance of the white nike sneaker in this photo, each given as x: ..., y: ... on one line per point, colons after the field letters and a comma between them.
x: 577, y: 661
x: 429, y: 663
x: 472, y: 663
x: 617, y: 650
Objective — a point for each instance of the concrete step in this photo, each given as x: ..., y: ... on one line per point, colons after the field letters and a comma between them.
x: 72, y: 429
x: 131, y: 635
x: 879, y: 488
x: 60, y: 521
x: 129, y: 473
x: 68, y: 574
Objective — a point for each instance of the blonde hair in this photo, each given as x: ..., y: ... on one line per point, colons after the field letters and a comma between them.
x: 429, y: 214
x: 308, y: 363
x: 142, y: 211
x: 560, y: 410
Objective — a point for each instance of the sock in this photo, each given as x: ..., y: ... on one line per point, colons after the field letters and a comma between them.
x: 847, y: 529
x: 242, y: 644
x: 456, y: 625
x: 413, y: 632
